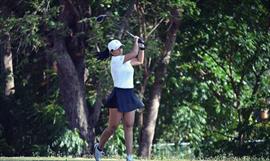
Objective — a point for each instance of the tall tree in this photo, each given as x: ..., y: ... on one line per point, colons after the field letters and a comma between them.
x: 69, y: 50
x: 7, y: 65
x: 230, y: 57
x: 160, y: 75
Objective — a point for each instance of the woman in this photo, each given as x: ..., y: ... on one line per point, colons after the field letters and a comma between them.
x: 122, y: 102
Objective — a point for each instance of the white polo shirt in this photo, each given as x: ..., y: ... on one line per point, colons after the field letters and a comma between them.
x: 122, y: 73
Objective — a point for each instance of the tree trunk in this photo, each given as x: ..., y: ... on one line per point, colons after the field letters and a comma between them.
x: 160, y: 76
x: 7, y: 66
x: 140, y: 112
x: 69, y: 52
x: 95, y: 112
x: 243, y: 127
x: 71, y: 92
x: 142, y: 29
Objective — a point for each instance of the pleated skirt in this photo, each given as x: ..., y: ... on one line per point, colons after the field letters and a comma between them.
x: 125, y: 100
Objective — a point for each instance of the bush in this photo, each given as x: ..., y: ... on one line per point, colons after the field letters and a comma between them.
x: 69, y: 143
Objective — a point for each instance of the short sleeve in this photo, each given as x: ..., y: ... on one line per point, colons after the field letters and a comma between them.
x: 121, y: 58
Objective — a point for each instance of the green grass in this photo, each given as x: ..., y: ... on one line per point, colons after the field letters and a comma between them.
x: 68, y: 159
x: 121, y: 159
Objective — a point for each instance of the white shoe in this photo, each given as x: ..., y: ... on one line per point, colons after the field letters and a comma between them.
x: 129, y: 158
x: 98, y: 154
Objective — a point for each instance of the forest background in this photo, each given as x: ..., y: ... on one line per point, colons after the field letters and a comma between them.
x: 205, y: 81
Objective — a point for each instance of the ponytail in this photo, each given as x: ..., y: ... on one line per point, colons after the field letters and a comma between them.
x: 103, y: 55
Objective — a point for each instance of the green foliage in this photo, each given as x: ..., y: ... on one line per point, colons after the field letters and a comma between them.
x: 190, y: 122
x: 116, y: 145
x: 216, y: 66
x: 217, y: 79
x: 69, y: 143
x: 34, y: 105
x: 5, y: 149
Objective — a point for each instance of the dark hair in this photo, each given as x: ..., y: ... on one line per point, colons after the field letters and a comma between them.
x: 103, y: 55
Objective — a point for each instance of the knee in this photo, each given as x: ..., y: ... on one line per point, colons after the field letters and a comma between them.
x: 111, y: 129
x: 129, y: 126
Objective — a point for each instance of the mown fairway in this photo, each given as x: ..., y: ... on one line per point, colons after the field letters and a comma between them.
x: 65, y: 159
x: 122, y: 159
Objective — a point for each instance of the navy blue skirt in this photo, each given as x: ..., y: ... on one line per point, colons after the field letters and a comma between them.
x: 125, y: 100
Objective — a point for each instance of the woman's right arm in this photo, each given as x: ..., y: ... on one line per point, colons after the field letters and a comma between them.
x: 134, y: 52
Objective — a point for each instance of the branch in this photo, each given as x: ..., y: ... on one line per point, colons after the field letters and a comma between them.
x: 216, y: 94
x: 258, y: 79
x: 73, y: 8
x: 218, y: 132
x: 246, y: 66
x: 229, y: 74
x: 219, y: 64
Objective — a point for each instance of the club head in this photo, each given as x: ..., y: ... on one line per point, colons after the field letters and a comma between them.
x: 100, y: 18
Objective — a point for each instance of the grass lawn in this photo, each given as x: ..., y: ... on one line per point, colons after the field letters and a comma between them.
x: 120, y: 159
x: 67, y: 159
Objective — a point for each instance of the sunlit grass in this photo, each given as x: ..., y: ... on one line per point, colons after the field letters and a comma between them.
x: 122, y: 159
x: 70, y: 159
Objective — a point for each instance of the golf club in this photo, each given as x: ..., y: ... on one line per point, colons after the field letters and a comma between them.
x: 139, y: 40
x: 101, y: 18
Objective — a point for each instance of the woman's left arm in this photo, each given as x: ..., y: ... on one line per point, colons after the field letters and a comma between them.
x: 138, y: 60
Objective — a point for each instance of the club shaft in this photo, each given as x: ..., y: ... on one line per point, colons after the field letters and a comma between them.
x: 131, y: 34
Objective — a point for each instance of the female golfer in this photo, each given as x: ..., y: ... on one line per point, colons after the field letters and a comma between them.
x: 122, y: 101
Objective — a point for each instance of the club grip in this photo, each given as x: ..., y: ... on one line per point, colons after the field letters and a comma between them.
x: 140, y: 40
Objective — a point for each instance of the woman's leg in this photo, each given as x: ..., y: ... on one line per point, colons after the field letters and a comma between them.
x: 114, y: 119
x: 128, y: 128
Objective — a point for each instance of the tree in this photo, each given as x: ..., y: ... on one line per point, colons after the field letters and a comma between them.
x: 7, y: 65
x: 69, y: 50
x: 160, y: 76
x: 64, y: 36
x: 208, y: 83
x: 231, y: 60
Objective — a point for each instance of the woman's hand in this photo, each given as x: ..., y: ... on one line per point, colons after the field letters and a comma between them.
x: 136, y: 39
x: 134, y: 52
